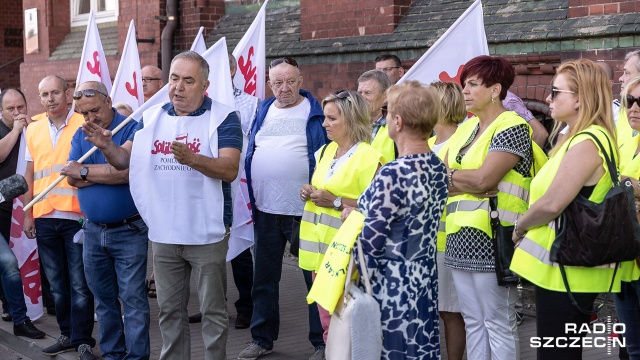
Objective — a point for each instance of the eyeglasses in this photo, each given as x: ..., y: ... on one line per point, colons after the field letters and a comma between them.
x: 389, y: 68
x: 149, y: 79
x: 286, y: 60
x: 87, y: 93
x: 631, y: 100
x: 555, y: 91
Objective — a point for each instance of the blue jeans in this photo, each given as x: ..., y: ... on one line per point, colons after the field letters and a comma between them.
x: 242, y: 268
x: 272, y: 233
x: 628, y: 308
x: 62, y: 260
x: 12, y: 282
x: 116, y: 264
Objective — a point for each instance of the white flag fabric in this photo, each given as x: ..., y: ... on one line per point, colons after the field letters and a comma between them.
x: 220, y: 86
x: 162, y: 96
x: 25, y: 249
x: 199, y: 45
x: 463, y: 41
x: 127, y: 86
x: 93, y: 63
x: 250, y: 54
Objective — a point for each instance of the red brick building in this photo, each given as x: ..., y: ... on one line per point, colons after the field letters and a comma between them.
x: 333, y: 40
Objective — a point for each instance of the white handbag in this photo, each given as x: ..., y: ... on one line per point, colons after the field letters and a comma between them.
x: 355, y: 331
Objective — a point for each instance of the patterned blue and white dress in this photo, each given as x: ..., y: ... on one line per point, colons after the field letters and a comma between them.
x: 402, y: 209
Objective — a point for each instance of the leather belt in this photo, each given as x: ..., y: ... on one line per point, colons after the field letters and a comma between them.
x: 124, y: 222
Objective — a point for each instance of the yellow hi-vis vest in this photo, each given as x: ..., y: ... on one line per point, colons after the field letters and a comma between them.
x: 384, y: 144
x: 466, y: 210
x: 442, y: 230
x: 331, y: 276
x: 47, y: 163
x: 630, y: 166
x: 320, y: 224
x: 531, y: 258
x: 623, y: 130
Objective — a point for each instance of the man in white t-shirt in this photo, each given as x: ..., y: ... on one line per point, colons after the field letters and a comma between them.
x: 285, y: 135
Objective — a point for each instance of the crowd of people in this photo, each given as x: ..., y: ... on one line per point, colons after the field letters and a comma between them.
x: 421, y: 162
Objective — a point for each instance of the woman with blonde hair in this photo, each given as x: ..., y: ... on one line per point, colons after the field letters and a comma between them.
x: 452, y: 113
x: 345, y: 167
x: 402, y: 209
x: 581, y: 98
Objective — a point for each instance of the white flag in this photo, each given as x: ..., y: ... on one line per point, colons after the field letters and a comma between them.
x: 199, y: 45
x: 463, y: 41
x: 93, y: 63
x: 162, y: 96
x: 220, y: 87
x: 25, y: 249
x: 250, y: 54
x: 127, y: 86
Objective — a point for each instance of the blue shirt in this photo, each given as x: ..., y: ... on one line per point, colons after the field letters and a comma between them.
x: 229, y: 136
x: 99, y: 202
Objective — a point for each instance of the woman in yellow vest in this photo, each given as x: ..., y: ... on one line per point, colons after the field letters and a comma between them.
x: 402, y: 209
x: 489, y: 155
x: 628, y: 299
x: 581, y: 98
x: 345, y: 167
x: 452, y: 113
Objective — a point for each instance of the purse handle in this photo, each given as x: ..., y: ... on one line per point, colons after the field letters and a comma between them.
x: 610, y: 164
x: 365, y: 274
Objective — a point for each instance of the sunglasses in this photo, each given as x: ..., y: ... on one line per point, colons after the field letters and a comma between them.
x: 286, y: 60
x: 87, y: 93
x: 631, y: 100
x: 343, y: 94
x: 149, y: 79
x: 555, y: 91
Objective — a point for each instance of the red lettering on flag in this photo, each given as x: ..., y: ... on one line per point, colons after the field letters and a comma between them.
x: 30, y: 272
x: 446, y: 78
x: 248, y: 70
x: 132, y: 90
x: 95, y: 67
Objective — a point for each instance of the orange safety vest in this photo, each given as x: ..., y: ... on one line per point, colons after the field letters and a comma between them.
x: 47, y: 163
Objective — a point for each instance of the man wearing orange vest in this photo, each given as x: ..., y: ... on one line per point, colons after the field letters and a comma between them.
x: 55, y: 219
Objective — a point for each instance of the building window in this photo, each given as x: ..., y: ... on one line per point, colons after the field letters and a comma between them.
x: 104, y: 11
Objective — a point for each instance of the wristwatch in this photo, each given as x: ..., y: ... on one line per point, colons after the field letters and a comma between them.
x: 84, y: 172
x: 337, y: 203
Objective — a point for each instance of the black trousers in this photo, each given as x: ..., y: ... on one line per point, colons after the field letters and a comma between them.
x: 553, y: 311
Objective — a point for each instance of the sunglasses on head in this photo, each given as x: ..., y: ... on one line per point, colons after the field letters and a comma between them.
x: 631, y: 100
x: 87, y: 93
x: 555, y: 91
x: 343, y: 94
x: 286, y: 60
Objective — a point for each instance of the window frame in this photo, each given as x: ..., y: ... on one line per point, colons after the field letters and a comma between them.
x: 101, y: 16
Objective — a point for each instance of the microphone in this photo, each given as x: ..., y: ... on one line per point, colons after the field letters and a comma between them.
x: 12, y: 187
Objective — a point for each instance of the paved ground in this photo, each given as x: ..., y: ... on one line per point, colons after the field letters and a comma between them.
x: 292, y: 345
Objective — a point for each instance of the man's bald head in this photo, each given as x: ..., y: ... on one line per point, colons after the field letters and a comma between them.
x: 151, y: 81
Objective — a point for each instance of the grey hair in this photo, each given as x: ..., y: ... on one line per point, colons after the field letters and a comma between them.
x: 194, y: 56
x: 233, y: 64
x: 631, y: 54
x: 379, y: 76
x: 97, y: 85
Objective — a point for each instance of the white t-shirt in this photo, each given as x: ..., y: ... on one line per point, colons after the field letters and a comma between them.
x: 280, y: 164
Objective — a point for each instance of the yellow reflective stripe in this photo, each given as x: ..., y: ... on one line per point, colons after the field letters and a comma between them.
x: 539, y: 252
x: 313, y: 246
x: 514, y: 190
x: 37, y: 175
x: 442, y: 226
x: 472, y: 205
x: 57, y: 167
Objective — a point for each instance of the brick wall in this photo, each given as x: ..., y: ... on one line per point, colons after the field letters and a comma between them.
x: 11, y: 43
x: 580, y: 8
x: 193, y: 14
x: 340, y: 18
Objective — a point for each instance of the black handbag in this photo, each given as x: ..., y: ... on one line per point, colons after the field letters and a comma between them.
x: 590, y: 234
x: 503, y: 247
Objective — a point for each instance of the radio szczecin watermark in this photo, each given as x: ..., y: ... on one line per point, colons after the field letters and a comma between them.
x: 598, y: 335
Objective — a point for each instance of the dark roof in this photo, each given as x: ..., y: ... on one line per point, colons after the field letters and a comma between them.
x: 72, y: 44
x: 425, y: 21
